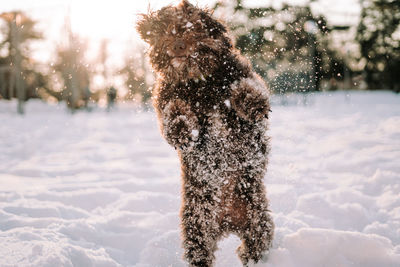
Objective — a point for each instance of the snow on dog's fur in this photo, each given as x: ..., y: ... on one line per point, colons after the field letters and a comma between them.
x: 213, y: 109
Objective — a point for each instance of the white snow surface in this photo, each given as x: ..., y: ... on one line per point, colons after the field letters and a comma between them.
x: 103, y: 189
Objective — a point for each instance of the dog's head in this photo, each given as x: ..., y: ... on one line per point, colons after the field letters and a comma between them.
x: 185, y: 41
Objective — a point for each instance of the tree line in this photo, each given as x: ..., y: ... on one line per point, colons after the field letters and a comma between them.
x: 70, y: 77
x: 290, y: 46
x: 297, y: 50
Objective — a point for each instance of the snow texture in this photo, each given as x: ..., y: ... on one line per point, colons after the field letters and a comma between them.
x: 103, y: 189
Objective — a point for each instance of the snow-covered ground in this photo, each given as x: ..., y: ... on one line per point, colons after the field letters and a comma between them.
x: 103, y: 189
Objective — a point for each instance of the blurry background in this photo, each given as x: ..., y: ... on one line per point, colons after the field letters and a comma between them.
x: 87, y: 53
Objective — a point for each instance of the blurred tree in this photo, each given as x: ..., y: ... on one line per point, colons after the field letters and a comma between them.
x: 103, y: 70
x: 18, y: 72
x: 135, y: 72
x: 288, y: 46
x: 75, y: 73
x: 102, y: 60
x: 378, y: 34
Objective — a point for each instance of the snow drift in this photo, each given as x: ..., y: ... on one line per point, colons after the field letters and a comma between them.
x: 103, y: 189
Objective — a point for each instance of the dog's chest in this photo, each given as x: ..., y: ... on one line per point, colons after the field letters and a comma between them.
x: 218, y: 121
x: 213, y: 116
x: 218, y: 125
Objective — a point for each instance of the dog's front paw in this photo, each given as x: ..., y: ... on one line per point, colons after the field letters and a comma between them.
x: 250, y: 99
x: 180, y: 124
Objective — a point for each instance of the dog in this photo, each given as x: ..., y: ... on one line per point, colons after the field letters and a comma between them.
x: 213, y: 109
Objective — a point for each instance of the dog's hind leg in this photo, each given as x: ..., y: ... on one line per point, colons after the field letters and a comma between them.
x: 201, y: 233
x: 256, y: 236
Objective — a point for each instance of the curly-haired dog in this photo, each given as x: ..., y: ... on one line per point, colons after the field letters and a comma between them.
x: 213, y: 109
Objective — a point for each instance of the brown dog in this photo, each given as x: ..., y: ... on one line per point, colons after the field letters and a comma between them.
x: 213, y: 109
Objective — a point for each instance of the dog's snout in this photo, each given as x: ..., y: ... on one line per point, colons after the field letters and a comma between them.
x: 179, y: 47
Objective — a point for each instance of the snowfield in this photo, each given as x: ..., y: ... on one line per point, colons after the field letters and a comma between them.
x: 103, y: 189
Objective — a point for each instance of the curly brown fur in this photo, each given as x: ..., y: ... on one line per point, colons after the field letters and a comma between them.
x: 213, y: 109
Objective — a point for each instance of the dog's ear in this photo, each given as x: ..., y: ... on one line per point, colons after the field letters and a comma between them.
x: 187, y: 8
x: 186, y: 5
x: 213, y: 26
x: 145, y: 27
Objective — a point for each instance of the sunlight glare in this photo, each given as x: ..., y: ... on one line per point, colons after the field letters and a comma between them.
x: 109, y: 19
